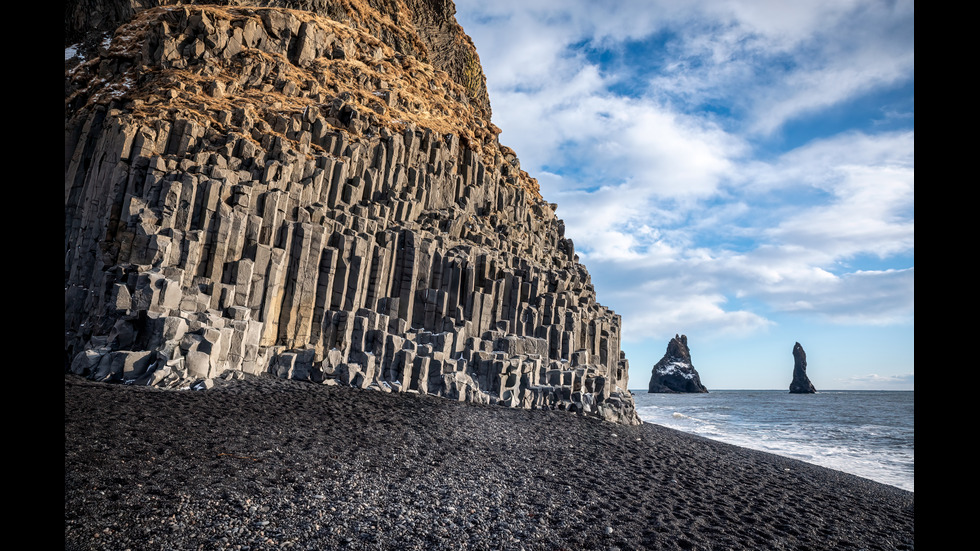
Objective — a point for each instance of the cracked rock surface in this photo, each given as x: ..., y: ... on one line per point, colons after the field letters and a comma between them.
x: 253, y: 189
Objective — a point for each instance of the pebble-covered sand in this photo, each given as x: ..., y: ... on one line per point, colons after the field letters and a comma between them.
x: 272, y: 464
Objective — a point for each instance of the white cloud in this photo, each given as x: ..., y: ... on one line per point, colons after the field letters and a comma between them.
x: 806, y: 92
x: 880, y: 382
x: 670, y: 212
x: 774, y: 61
x: 868, y: 208
x: 878, y: 297
x: 615, y: 139
x: 701, y: 313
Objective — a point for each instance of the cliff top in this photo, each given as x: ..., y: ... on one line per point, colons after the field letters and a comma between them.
x: 362, y: 84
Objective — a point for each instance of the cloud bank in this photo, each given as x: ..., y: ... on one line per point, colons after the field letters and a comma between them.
x: 720, y: 165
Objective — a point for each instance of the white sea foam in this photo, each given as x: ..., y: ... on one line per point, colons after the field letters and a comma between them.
x: 869, y: 434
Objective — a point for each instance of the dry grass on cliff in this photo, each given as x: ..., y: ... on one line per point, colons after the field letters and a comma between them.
x: 386, y: 88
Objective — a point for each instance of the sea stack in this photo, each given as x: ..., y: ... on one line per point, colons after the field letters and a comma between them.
x: 801, y: 383
x: 675, y: 372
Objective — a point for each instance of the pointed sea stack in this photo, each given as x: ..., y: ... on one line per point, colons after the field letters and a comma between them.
x: 801, y: 383
x: 675, y: 372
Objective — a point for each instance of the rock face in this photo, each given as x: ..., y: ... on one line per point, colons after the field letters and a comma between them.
x: 675, y: 372
x: 424, y: 29
x: 801, y: 383
x: 258, y: 189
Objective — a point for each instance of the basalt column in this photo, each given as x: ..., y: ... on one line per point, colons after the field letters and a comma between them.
x: 259, y: 190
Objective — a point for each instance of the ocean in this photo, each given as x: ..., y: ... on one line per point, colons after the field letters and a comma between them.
x: 866, y: 433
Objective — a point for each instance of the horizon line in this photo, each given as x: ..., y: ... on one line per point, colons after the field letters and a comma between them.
x: 645, y: 391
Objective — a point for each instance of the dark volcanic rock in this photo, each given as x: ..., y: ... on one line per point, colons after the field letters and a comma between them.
x: 675, y: 372
x: 319, y: 194
x: 801, y: 383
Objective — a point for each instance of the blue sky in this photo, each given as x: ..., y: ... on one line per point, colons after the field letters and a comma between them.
x: 741, y: 172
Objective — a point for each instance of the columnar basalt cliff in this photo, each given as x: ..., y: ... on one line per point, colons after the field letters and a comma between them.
x: 801, y: 382
x: 675, y: 371
x: 320, y: 195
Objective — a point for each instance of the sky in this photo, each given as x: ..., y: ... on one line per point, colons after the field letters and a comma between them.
x: 741, y: 172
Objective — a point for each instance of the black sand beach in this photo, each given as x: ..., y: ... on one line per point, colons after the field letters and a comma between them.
x: 273, y: 464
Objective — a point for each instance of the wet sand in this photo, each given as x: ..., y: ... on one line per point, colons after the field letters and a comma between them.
x: 272, y: 464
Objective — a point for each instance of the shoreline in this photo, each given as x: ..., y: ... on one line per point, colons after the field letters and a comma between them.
x: 269, y: 463
x: 826, y: 434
